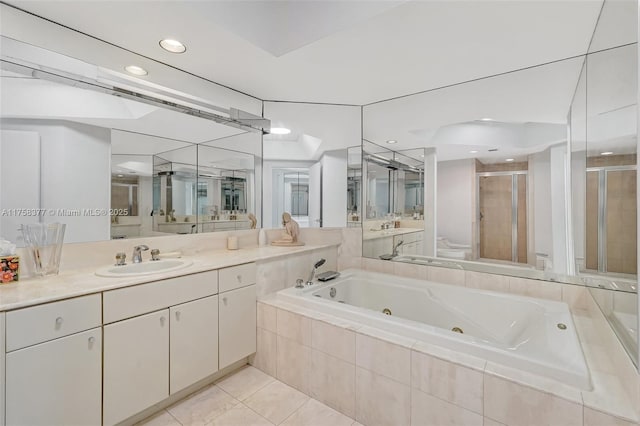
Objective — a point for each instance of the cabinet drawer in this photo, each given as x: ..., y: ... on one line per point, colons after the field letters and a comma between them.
x: 37, y: 324
x: 237, y: 276
x: 140, y: 299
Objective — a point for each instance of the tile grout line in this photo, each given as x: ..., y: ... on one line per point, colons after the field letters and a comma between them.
x: 296, y: 410
x: 174, y: 417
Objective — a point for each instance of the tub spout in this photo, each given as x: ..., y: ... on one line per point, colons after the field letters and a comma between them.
x: 318, y: 264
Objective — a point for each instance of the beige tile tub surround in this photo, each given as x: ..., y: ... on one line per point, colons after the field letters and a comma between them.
x: 383, y: 379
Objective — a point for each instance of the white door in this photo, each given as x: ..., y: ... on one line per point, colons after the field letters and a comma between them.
x: 136, y: 365
x: 57, y: 382
x: 315, y: 195
x: 237, y: 313
x: 194, y: 342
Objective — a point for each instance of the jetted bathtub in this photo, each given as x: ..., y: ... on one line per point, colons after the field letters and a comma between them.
x: 533, y: 335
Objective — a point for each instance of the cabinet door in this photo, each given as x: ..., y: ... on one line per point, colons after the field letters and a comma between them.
x: 57, y: 382
x: 194, y: 342
x: 237, y: 313
x: 136, y: 365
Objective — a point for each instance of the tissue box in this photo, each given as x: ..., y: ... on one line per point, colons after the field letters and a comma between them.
x: 9, y: 269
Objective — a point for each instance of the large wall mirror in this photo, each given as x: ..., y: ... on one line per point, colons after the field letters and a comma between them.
x: 112, y: 167
x: 494, y: 168
x: 311, y: 164
x: 531, y: 173
x: 604, y: 127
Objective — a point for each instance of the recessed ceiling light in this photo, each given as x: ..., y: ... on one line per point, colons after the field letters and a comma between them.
x: 473, y: 152
x: 487, y: 119
x: 392, y: 141
x: 135, y: 70
x: 606, y: 153
x: 173, y: 46
x: 422, y: 155
x: 509, y: 159
x: 120, y: 175
x: 280, y: 131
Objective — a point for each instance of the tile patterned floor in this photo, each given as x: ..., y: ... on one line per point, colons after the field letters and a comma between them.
x: 249, y: 397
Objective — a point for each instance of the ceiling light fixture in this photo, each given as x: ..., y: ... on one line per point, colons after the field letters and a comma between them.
x: 473, y: 151
x: 509, y: 160
x: 487, y: 119
x: 173, y: 46
x: 606, y: 153
x: 392, y: 141
x: 279, y: 131
x: 120, y: 175
x: 422, y: 155
x: 135, y: 70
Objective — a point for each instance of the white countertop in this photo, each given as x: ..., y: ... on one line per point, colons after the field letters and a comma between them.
x: 368, y: 234
x: 79, y: 282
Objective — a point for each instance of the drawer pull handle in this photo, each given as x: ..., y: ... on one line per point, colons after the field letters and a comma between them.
x: 177, y: 315
x: 224, y: 299
x: 239, y: 277
x: 162, y: 320
x: 92, y: 340
x: 59, y: 321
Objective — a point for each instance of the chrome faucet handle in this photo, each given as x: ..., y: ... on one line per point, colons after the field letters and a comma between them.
x: 121, y: 259
x: 299, y: 282
x: 155, y: 254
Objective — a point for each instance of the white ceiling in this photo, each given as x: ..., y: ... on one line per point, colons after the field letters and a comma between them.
x: 339, y: 52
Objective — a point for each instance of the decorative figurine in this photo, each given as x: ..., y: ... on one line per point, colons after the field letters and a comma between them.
x: 291, y: 232
x: 252, y: 220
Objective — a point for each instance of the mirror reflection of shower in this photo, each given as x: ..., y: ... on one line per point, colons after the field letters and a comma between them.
x: 611, y: 220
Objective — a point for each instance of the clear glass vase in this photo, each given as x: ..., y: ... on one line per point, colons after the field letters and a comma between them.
x: 44, y: 244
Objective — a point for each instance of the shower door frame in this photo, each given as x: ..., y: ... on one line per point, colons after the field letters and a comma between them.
x: 514, y: 208
x: 602, y: 209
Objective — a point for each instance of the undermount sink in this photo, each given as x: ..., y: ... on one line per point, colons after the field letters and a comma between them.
x: 143, y: 268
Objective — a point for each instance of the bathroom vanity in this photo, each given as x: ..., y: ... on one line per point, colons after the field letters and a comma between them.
x: 106, y: 352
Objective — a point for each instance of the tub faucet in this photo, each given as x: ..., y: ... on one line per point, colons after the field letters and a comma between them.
x: 318, y: 264
x: 137, y: 253
x: 394, y: 253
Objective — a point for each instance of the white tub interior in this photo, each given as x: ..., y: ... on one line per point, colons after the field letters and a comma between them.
x: 530, y: 334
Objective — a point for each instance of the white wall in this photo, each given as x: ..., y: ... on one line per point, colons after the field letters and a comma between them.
x: 75, y: 175
x: 540, y: 191
x: 19, y: 180
x: 455, y: 200
x: 334, y: 188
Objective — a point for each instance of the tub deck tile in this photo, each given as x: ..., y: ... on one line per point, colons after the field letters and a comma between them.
x: 609, y: 396
x: 450, y: 382
x: 384, y: 358
x: 514, y: 404
x: 535, y: 382
x: 449, y: 355
x: 429, y: 410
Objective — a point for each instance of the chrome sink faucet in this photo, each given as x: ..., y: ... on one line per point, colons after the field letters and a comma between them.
x: 137, y: 253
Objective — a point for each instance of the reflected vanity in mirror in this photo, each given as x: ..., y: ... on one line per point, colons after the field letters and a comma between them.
x: 113, y: 167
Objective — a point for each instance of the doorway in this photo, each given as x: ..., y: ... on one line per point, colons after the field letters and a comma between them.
x: 502, y: 216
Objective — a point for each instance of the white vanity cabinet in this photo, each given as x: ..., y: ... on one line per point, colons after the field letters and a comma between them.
x: 194, y: 342
x: 136, y: 359
x: 237, y: 313
x: 160, y: 338
x: 105, y: 357
x: 54, y: 363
